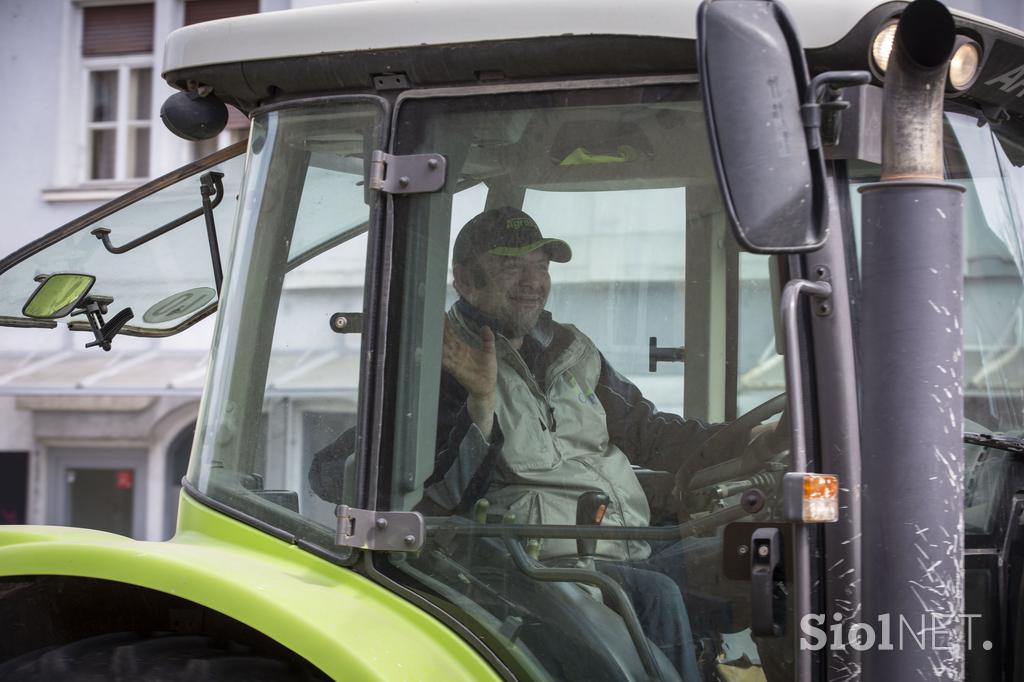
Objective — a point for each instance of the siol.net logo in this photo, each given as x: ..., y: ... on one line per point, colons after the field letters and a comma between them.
x: 933, y: 631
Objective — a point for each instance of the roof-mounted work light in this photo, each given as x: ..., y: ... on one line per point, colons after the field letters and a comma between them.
x: 963, y: 67
x: 965, y: 64
x: 881, y: 45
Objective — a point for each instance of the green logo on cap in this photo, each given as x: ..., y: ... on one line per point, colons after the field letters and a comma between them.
x: 517, y: 223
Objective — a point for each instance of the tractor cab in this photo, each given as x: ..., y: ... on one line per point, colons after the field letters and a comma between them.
x: 672, y: 488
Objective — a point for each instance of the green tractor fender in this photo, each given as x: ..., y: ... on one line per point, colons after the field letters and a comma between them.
x: 341, y: 622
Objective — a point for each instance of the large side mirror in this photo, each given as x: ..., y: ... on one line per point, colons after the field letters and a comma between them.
x: 57, y: 296
x: 753, y: 82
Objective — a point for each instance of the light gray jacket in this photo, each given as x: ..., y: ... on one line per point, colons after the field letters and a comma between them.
x: 576, y: 428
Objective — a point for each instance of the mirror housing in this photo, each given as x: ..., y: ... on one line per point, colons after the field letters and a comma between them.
x: 754, y: 82
x: 193, y: 117
x: 57, y: 296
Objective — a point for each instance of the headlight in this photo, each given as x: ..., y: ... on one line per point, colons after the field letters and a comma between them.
x: 881, y: 46
x: 964, y: 66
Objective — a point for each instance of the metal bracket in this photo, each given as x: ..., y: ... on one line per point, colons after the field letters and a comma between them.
x: 820, y: 113
x: 409, y: 174
x: 823, y: 304
x: 347, y: 323
x: 391, y: 531
x: 391, y: 81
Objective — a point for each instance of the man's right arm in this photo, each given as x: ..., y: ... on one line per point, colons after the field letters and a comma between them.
x: 468, y: 437
x: 465, y: 455
x: 474, y: 368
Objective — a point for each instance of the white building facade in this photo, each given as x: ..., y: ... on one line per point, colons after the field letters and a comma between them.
x: 91, y: 438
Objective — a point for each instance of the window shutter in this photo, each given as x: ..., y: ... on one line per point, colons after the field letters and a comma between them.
x: 197, y: 11
x: 117, y: 29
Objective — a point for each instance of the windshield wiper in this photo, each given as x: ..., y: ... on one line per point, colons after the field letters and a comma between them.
x: 999, y: 441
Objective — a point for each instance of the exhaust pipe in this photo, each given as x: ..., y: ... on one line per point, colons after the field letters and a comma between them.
x: 912, y: 362
x: 912, y: 99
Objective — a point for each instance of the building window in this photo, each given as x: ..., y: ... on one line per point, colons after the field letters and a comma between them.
x: 117, y: 57
x: 119, y: 122
x: 197, y: 11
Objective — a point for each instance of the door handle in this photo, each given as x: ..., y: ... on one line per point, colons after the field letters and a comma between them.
x: 767, y: 612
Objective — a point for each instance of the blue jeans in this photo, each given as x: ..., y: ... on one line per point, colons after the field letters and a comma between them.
x: 659, y: 607
x: 687, y: 568
x: 716, y: 604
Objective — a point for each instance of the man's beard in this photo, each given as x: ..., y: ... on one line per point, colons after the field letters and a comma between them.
x: 519, y: 323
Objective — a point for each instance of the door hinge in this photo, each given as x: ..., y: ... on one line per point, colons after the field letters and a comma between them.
x: 409, y: 174
x: 392, y: 531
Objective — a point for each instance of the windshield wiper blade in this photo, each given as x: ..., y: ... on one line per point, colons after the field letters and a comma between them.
x: 999, y: 441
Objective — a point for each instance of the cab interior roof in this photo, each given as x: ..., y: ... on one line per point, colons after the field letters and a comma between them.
x: 587, y: 146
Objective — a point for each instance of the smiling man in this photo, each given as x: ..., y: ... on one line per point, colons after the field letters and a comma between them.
x: 531, y: 413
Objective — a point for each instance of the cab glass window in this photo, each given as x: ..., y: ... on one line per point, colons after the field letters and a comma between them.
x: 286, y: 369
x: 149, y: 251
x: 577, y: 332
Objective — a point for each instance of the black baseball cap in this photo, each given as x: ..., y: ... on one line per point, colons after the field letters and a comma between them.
x: 505, y: 231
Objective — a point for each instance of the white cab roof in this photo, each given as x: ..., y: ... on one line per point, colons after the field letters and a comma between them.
x: 359, y: 25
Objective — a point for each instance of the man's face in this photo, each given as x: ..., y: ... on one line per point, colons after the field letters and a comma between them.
x: 514, y: 292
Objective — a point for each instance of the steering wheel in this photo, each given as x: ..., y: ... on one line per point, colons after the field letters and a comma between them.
x: 742, y: 425
x: 732, y: 439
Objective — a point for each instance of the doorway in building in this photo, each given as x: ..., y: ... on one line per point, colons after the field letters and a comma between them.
x: 13, y: 487
x: 177, y: 465
x: 99, y: 489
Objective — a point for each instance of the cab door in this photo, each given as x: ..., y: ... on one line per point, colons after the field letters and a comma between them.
x: 677, y: 431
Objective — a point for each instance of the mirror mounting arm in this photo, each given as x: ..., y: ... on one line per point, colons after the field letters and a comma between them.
x: 821, y: 113
x: 211, y: 189
x: 94, y: 308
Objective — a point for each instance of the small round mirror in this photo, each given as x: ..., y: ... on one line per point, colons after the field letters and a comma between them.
x: 193, y: 117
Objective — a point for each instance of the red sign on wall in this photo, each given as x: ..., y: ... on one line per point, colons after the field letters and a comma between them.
x: 125, y: 479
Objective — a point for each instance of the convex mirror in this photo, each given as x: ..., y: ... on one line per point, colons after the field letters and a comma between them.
x: 57, y: 296
x: 753, y: 82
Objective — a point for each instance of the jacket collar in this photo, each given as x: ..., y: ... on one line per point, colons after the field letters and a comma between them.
x: 543, y: 332
x: 560, y: 345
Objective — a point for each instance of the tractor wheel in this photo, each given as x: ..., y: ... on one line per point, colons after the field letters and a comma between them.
x: 157, y: 657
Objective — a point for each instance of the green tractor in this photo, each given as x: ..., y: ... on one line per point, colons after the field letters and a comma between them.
x: 808, y: 255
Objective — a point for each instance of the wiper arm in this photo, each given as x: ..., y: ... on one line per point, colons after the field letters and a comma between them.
x: 999, y: 441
